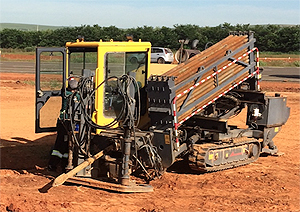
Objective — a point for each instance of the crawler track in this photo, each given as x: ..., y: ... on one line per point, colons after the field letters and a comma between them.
x: 211, y: 157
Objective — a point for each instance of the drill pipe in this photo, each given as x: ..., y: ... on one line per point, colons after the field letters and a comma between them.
x: 209, y: 84
x: 180, y: 78
x: 192, y: 68
x: 187, y: 113
x: 205, y: 58
x: 229, y: 70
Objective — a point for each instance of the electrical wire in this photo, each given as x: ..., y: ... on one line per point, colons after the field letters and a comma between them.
x: 86, y: 100
x: 129, y: 116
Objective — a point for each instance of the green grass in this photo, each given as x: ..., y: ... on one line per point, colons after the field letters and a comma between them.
x: 51, y: 85
x: 18, y: 51
x: 29, y: 82
x: 90, y: 57
x: 27, y: 27
x: 279, y: 55
x: 279, y: 63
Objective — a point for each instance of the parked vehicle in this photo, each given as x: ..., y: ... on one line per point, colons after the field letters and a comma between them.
x: 161, y: 55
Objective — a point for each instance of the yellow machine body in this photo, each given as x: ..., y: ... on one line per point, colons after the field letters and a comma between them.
x: 114, y: 55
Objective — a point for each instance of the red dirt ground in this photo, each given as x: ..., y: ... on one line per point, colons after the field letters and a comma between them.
x: 269, y: 184
x: 25, y: 57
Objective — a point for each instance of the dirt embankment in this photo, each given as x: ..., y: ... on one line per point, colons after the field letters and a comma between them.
x: 269, y: 184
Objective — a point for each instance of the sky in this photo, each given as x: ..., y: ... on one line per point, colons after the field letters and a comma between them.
x: 155, y: 13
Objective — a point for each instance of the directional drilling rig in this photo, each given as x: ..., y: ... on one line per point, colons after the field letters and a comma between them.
x: 142, y: 121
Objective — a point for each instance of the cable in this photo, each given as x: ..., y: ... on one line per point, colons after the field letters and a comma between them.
x: 86, y: 99
x: 78, y: 144
x: 126, y: 114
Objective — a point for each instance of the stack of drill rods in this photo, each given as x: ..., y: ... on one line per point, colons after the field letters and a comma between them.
x: 210, y: 72
x: 210, y: 84
x: 206, y: 58
x: 217, y: 93
x: 201, y: 56
x: 212, y: 98
x: 197, y: 58
x: 192, y: 69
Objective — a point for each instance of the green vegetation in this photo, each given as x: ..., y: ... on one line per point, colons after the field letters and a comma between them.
x: 18, y: 51
x: 27, y: 27
x: 279, y: 55
x: 273, y: 41
x: 90, y: 57
x: 280, y: 59
x: 280, y: 63
x: 273, y: 38
x: 29, y: 82
x: 51, y: 85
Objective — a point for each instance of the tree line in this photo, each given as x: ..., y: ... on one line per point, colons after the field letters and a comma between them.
x: 273, y: 38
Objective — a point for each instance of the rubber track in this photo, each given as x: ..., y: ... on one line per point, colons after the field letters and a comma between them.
x: 197, y: 157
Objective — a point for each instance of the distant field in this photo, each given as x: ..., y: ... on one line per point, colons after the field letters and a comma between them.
x: 27, y: 27
x: 273, y: 59
x: 279, y: 55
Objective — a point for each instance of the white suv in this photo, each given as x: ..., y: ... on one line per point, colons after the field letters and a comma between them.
x: 161, y: 55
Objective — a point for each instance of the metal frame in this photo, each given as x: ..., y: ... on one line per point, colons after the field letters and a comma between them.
x: 43, y: 96
x: 220, y: 87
